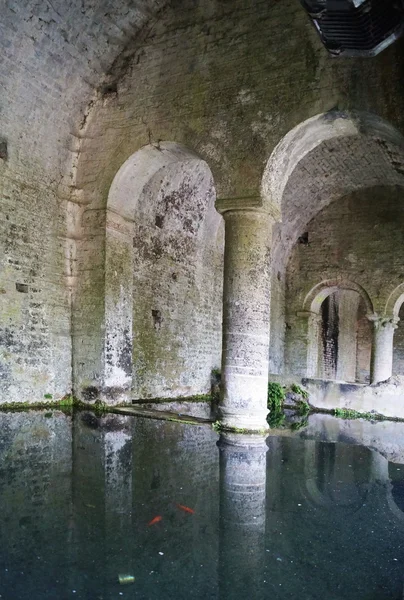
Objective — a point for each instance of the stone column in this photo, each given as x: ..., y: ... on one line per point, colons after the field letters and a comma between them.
x: 348, y: 306
x: 118, y: 310
x: 313, y: 343
x: 382, y: 350
x: 242, y: 515
x: 246, y: 314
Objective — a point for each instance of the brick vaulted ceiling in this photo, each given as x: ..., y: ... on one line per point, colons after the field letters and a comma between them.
x: 54, y: 54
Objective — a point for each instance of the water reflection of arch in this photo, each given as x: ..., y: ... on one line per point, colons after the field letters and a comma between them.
x: 323, y: 465
x: 395, y: 494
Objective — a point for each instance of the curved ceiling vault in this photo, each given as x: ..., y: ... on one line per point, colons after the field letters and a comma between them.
x: 55, y: 54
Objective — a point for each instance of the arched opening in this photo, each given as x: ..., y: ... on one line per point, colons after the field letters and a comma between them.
x: 395, y: 311
x: 398, y: 344
x: 324, y: 174
x: 163, y: 277
x: 339, y: 332
x: 345, y: 338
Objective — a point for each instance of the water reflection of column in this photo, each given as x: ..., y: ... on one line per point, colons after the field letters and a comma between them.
x: 242, y: 516
x: 102, y: 503
x: 118, y: 495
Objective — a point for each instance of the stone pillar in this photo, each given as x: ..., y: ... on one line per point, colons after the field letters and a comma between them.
x: 313, y: 343
x: 242, y: 515
x: 118, y: 310
x: 382, y: 350
x: 348, y: 306
x: 246, y: 314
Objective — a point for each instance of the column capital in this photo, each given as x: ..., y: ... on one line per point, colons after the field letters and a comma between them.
x: 247, y: 203
x: 383, y: 321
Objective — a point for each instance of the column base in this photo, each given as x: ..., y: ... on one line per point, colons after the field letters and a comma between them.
x: 242, y: 423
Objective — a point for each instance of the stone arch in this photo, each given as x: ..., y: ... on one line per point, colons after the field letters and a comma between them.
x: 393, y: 308
x: 327, y: 157
x: 311, y: 311
x: 138, y: 169
x: 163, y: 236
x: 394, y: 302
x: 307, y: 138
x: 319, y: 293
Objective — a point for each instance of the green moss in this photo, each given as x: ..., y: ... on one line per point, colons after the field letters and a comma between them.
x: 220, y: 428
x: 348, y: 413
x: 65, y: 403
x: 98, y: 407
x: 184, y: 421
x: 196, y: 398
x: 48, y: 396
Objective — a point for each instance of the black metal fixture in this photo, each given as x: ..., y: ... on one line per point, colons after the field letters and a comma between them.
x: 356, y: 27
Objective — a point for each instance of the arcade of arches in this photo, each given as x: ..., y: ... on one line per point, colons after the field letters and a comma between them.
x: 189, y: 191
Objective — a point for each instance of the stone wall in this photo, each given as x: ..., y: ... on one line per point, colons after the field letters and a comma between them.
x: 84, y: 87
x: 232, y: 120
x: 177, y: 285
x: 354, y: 239
x: 54, y: 57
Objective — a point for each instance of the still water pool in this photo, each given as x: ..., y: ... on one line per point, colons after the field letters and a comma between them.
x: 112, y: 507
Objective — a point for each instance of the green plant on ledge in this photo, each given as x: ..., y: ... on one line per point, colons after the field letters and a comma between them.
x: 303, y: 407
x: 276, y: 398
x: 300, y: 424
x: 296, y: 389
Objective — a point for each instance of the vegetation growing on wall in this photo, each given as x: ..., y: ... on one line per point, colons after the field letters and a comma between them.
x: 276, y: 398
x: 293, y: 397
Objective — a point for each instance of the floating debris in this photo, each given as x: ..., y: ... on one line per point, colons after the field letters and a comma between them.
x: 155, y: 520
x: 126, y: 579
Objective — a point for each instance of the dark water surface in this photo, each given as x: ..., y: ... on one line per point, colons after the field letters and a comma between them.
x: 317, y: 514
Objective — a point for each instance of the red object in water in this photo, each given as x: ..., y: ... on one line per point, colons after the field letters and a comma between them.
x: 155, y: 520
x: 186, y: 509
